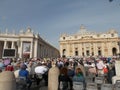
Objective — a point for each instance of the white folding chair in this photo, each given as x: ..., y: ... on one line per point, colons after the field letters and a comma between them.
x: 99, y: 80
x: 78, y: 86
x: 117, y: 85
x: 117, y: 82
x: 89, y: 79
x: 91, y: 86
x: 21, y: 83
x: 107, y: 87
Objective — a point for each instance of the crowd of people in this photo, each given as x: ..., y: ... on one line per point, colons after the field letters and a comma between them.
x: 71, y: 69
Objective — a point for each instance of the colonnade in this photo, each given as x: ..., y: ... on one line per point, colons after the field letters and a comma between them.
x: 37, y: 46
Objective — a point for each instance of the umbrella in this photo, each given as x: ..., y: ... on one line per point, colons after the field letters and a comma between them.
x: 7, y: 62
x: 41, y: 69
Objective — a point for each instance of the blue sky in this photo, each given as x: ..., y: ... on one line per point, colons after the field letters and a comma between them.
x: 51, y: 18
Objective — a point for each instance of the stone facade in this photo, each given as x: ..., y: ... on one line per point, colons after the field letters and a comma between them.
x: 86, y: 43
x: 26, y: 45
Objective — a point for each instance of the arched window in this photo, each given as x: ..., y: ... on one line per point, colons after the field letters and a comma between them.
x: 64, y: 51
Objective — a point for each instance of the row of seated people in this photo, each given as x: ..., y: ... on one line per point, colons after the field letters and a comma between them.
x: 73, y: 78
x: 65, y: 76
x: 26, y: 80
x: 68, y: 76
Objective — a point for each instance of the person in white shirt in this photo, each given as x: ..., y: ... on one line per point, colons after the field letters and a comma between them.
x: 100, y: 65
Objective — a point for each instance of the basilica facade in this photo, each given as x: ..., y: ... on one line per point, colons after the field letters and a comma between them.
x: 85, y: 43
x: 25, y: 44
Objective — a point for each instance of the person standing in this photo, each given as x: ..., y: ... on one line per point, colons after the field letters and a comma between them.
x: 25, y: 74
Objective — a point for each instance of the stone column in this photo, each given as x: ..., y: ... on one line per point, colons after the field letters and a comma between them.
x: 90, y: 50
x: 21, y: 49
x: 68, y: 50
x: 95, y: 49
x: 84, y: 49
x: 31, y: 49
x: 36, y: 48
x: 53, y: 78
x: 5, y: 44
x: 73, y: 49
x: 7, y: 81
x: 110, y: 49
x: 80, y: 49
x: 40, y: 50
x: 13, y: 45
x: 102, y: 49
x: 61, y: 50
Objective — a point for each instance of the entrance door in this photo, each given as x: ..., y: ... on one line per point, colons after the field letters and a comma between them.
x: 87, y: 53
x: 114, y: 51
x: 99, y: 52
x: 76, y: 53
x: 64, y: 52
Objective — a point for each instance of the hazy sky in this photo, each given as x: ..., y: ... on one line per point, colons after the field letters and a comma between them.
x: 51, y: 18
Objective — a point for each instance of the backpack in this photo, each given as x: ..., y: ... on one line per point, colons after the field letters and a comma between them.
x: 105, y: 70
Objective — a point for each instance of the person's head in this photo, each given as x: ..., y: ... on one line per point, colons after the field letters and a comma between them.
x: 78, y: 70
x: 64, y: 71
x: 23, y: 66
